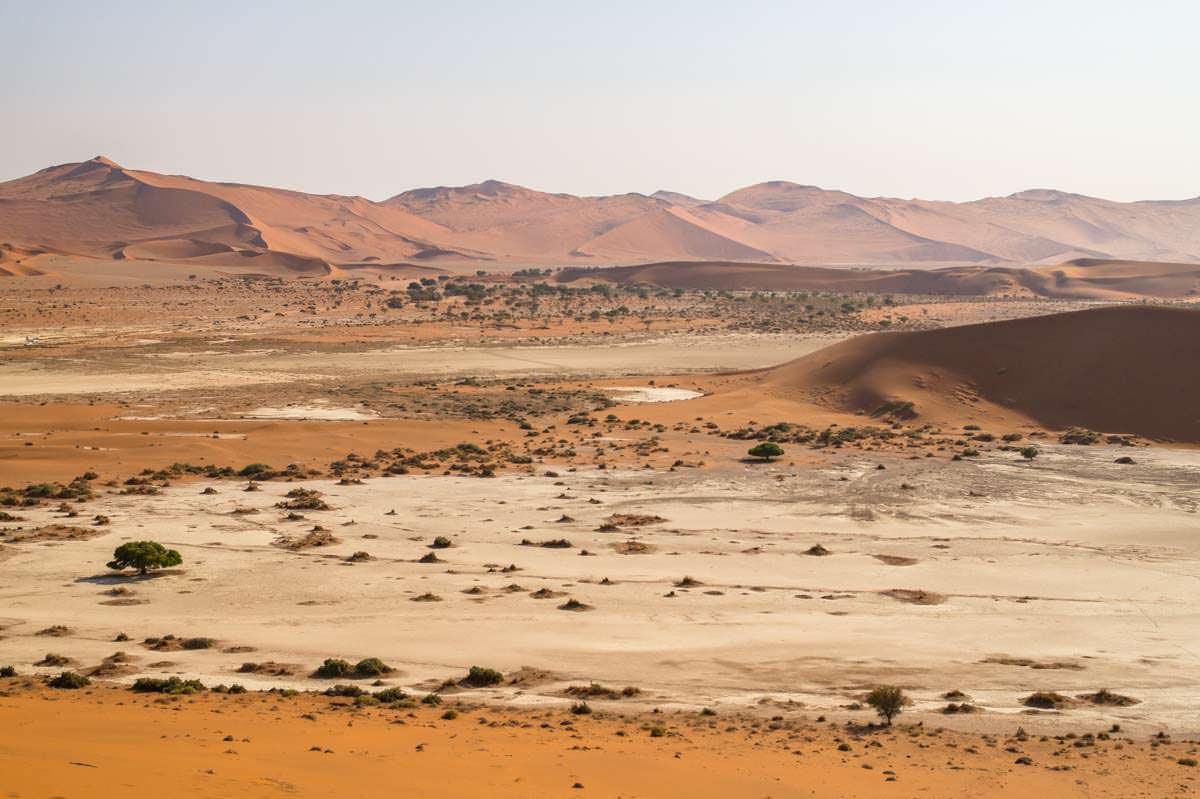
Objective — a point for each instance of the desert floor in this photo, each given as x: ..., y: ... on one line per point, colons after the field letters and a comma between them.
x: 993, y: 577
x: 102, y: 741
x: 773, y: 594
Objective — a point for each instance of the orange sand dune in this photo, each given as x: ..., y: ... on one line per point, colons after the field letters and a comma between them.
x: 100, y: 209
x: 1126, y: 369
x: 1079, y: 279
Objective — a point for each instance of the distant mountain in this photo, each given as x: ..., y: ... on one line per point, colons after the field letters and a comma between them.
x: 100, y: 209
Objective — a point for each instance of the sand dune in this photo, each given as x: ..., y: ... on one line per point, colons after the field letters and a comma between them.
x: 1120, y: 369
x: 1078, y: 279
x: 100, y: 209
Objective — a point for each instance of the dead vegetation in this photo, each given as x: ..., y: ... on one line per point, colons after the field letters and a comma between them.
x: 316, y: 537
x: 913, y: 596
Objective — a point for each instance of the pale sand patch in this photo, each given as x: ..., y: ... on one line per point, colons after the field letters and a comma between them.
x: 22, y: 381
x: 1027, y: 571
x: 316, y: 412
x: 652, y: 394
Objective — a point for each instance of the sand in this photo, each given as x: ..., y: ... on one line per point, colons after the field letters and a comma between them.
x: 1115, y: 369
x: 256, y: 746
x: 1024, y: 573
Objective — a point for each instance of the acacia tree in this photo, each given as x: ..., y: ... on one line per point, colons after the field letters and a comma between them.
x: 887, y: 701
x: 144, y: 556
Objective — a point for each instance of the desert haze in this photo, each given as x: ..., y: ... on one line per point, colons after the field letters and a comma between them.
x: 100, y: 210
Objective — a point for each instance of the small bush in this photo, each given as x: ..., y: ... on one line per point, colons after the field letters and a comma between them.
x: 351, y: 691
x: 371, y: 667
x: 389, y: 695
x: 8, y: 671
x: 441, y: 542
x: 69, y: 680
x: 170, y: 685
x: 332, y: 668
x: 887, y: 700
x: 479, y: 677
x: 581, y: 709
x: 1079, y: 435
x: 766, y: 451
x: 1046, y: 700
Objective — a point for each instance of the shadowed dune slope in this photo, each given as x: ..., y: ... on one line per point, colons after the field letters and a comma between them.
x: 1127, y: 369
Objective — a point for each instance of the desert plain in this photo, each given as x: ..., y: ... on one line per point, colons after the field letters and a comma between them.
x: 514, y: 507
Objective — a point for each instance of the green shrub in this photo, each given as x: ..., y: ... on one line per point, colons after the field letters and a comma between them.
x: 351, y: 691
x: 479, y: 677
x: 389, y: 695
x: 70, y: 680
x: 887, y: 700
x: 1079, y: 435
x: 371, y: 667
x: 331, y: 668
x: 8, y: 671
x: 170, y: 685
x: 767, y: 450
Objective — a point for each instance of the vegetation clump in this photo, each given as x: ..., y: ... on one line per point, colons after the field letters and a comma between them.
x: 1079, y: 435
x: 169, y: 685
x: 1046, y: 700
x: 766, y: 451
x: 480, y: 677
x: 888, y: 701
x: 334, y: 668
x: 69, y: 680
x: 144, y: 556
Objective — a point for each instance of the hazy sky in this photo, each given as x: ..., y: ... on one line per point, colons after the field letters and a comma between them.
x: 944, y: 100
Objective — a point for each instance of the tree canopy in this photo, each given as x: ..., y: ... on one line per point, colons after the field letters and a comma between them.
x: 144, y: 556
x: 766, y: 450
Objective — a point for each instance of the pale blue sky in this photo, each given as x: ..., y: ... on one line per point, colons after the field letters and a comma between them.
x: 938, y: 99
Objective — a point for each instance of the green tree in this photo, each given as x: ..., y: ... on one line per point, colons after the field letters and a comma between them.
x: 767, y: 450
x: 144, y: 556
x: 1029, y: 453
x: 887, y: 701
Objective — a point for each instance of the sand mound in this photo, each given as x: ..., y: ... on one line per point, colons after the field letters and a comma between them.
x: 1120, y: 369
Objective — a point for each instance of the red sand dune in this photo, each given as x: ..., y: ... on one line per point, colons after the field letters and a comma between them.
x: 1126, y: 369
x: 100, y: 209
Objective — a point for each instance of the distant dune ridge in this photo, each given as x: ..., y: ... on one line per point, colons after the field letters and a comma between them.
x: 100, y: 209
x: 1081, y: 278
x: 1122, y: 369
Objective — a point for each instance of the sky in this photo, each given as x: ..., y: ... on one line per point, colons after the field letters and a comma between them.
x: 925, y: 98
